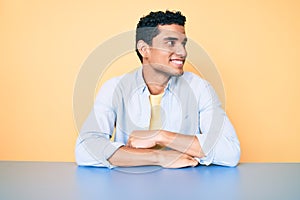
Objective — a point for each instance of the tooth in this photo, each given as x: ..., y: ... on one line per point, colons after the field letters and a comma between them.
x: 177, y: 61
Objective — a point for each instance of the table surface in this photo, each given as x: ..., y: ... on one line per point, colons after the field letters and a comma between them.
x: 55, y: 181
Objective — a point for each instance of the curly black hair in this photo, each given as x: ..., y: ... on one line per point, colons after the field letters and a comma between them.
x: 147, y: 28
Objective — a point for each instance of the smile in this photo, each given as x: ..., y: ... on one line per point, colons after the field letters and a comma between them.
x: 177, y: 62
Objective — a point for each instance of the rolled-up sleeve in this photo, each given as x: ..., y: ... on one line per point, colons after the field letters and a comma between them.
x: 217, y: 137
x: 93, y: 145
x: 226, y: 151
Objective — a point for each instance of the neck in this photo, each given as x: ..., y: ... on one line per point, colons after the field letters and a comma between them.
x: 155, y: 81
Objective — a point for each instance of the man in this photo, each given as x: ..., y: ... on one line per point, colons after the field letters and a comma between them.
x: 161, y: 115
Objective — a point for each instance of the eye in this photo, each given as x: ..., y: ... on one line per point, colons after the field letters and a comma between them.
x: 171, y: 43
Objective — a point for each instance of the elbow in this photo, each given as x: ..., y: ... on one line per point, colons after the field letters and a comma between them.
x: 85, y: 157
x: 231, y: 154
x: 82, y: 155
x: 79, y: 156
x: 234, y: 162
x: 229, y: 157
x: 233, y: 157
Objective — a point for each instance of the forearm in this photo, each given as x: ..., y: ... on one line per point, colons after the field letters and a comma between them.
x: 127, y: 156
x: 187, y: 144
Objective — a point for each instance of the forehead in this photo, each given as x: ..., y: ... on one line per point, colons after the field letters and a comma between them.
x: 171, y: 30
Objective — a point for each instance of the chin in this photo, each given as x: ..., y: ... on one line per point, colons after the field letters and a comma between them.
x: 178, y: 74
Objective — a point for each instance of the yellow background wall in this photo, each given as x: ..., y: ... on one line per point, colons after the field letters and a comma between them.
x: 255, y: 46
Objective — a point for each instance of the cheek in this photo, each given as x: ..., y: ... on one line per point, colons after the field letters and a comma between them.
x: 164, y: 54
x: 159, y: 55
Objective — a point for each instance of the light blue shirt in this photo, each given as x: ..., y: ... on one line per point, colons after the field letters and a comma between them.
x: 189, y: 106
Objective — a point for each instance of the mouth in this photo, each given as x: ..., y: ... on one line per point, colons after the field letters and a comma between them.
x: 177, y: 62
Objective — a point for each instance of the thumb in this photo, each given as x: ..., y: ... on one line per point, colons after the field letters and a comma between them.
x: 194, y: 163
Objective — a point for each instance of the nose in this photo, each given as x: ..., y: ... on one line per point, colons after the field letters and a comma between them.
x: 181, y: 51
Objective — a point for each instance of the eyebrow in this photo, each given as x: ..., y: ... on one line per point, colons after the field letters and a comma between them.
x: 170, y: 38
x: 174, y: 39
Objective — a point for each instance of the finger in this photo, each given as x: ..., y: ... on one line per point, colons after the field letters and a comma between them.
x: 128, y: 143
x: 194, y: 162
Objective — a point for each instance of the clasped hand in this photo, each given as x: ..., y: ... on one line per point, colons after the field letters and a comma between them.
x: 144, y: 138
x: 166, y: 158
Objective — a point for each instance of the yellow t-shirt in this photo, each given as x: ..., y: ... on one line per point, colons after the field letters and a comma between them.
x: 155, y: 121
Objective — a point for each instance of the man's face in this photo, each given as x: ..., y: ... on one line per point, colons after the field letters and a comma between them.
x: 167, y: 52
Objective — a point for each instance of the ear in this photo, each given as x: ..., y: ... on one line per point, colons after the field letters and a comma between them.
x: 143, y: 48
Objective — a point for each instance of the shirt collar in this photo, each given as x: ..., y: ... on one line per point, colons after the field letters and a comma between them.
x: 140, y: 83
x: 142, y: 87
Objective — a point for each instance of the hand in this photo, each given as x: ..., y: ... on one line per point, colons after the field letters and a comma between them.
x: 176, y: 159
x: 143, y: 139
